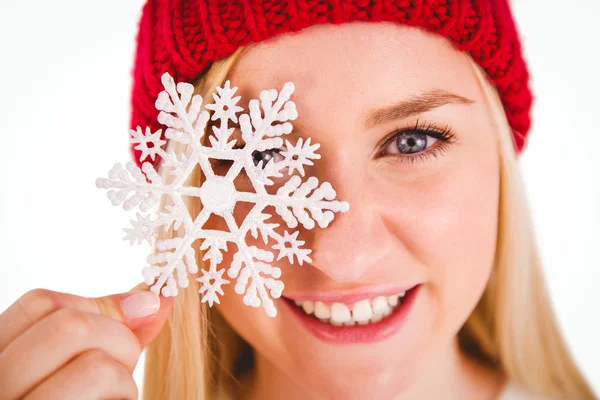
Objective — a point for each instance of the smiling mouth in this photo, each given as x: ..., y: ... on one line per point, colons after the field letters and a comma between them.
x: 363, y: 312
x: 361, y: 321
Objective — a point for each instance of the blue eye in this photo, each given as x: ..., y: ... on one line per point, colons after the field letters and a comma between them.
x: 411, y: 142
x: 416, y: 142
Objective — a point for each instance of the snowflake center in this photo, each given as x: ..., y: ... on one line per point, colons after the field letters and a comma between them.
x: 218, y: 194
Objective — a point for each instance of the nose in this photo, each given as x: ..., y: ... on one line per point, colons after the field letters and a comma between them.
x: 355, y: 241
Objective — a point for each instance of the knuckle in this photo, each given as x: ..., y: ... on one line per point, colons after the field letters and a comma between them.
x: 36, y: 302
x: 84, y: 330
x: 97, y: 363
x: 72, y: 323
x: 104, y: 369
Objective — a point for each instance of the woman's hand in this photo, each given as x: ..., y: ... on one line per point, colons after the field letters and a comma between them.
x: 60, y: 346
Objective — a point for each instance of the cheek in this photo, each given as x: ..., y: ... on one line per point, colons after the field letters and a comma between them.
x: 467, y: 240
x: 448, y: 224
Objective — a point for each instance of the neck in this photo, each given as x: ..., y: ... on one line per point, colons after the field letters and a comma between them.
x: 451, y: 374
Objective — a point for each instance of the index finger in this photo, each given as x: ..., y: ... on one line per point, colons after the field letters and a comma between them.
x: 38, y: 303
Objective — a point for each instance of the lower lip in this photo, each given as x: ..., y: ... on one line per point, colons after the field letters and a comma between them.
x: 373, y: 332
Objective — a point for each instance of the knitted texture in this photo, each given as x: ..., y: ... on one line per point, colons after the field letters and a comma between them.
x: 183, y: 37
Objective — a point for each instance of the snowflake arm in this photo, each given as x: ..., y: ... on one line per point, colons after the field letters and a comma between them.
x: 121, y: 186
x: 150, y: 144
x: 185, y: 126
x: 256, y: 223
x: 212, y: 280
x: 289, y: 247
x: 258, y: 280
x: 224, y: 111
x: 293, y: 201
x: 142, y: 229
x: 181, y: 260
x: 296, y: 157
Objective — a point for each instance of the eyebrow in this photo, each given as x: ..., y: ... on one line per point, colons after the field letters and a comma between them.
x: 415, y: 105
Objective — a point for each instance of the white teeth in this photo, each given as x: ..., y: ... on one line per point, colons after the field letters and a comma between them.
x: 308, y: 307
x: 362, y: 312
x: 380, y: 305
x: 340, y: 313
x: 393, y: 300
x: 321, y: 310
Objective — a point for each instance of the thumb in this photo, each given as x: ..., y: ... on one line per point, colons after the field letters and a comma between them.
x: 140, y: 309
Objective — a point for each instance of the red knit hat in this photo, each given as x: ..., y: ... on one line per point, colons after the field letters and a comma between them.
x: 183, y: 37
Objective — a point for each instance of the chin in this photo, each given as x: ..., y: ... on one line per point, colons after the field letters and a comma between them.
x: 379, y: 370
x: 354, y: 381
x: 377, y: 359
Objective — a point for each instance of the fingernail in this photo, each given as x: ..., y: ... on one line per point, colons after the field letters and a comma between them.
x: 140, y: 304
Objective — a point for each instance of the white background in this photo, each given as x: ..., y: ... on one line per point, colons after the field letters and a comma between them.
x: 64, y: 105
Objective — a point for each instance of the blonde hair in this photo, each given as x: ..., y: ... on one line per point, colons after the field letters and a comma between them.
x: 197, y: 355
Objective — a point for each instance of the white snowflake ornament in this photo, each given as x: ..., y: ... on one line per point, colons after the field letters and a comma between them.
x: 261, y: 130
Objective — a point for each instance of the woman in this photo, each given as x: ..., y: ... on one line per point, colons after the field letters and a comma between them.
x: 422, y: 141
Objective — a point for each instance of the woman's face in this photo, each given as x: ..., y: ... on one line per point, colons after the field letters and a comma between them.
x: 423, y: 207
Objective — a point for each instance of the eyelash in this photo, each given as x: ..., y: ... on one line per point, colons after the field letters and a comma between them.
x: 444, y: 135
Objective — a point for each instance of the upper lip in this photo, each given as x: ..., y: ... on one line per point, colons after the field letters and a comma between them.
x: 351, y: 295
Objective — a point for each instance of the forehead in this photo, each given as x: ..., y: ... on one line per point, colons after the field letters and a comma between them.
x: 363, y: 58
